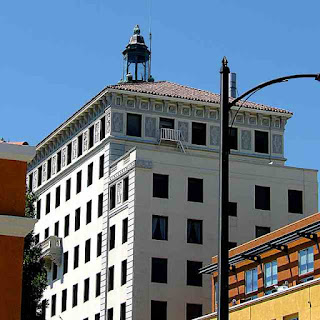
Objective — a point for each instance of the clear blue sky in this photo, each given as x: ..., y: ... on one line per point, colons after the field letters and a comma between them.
x: 56, y: 55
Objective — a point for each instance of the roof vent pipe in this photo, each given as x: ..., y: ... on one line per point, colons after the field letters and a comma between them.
x: 233, y: 85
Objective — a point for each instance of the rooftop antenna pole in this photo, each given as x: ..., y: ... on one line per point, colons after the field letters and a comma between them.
x: 150, y: 40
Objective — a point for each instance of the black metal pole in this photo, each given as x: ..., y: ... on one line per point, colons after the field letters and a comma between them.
x: 223, y: 256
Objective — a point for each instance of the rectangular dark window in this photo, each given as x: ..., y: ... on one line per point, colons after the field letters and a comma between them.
x: 89, y: 212
x: 261, y: 231
x: 193, y: 276
x: 75, y: 295
x: 159, y: 227
x: 64, y: 300
x: 49, y: 167
x: 158, y: 310
x: 58, y: 192
x: 53, y: 305
x: 261, y: 141
x: 65, y: 262
x: 30, y: 181
x: 91, y: 136
x: 86, y: 290
x: 199, y: 133
x: 111, y: 278
x: 100, y: 205
x: 80, y: 139
x: 295, y: 203
x: 124, y: 272
x: 125, y: 189
x: 39, y: 176
x: 101, y: 166
x: 125, y: 230
x: 77, y: 220
x: 76, y: 257
x: 134, y: 125
x: 99, y: 244
x: 232, y: 209
x: 97, y: 316
x: 37, y: 238
x: 54, y: 271
x: 46, y: 233
x: 194, y: 231
x: 98, y: 280
x: 159, y: 270
x: 166, y: 123
x: 39, y: 209
x: 233, y: 138
x: 66, y: 225
x: 262, y: 198
x: 56, y: 229
x: 112, y: 237
x: 69, y: 152
x: 194, y: 311
x: 110, y: 314
x: 123, y: 311
x: 43, y: 309
x: 112, y: 196
x: 59, y: 160
x: 48, y: 199
x: 68, y: 189
x: 87, y: 251
x: 160, y: 186
x: 79, y: 178
x: 231, y: 245
x: 90, y: 174
x: 195, y: 190
x: 102, y: 128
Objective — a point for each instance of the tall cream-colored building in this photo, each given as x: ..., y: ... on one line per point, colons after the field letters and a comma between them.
x: 128, y: 195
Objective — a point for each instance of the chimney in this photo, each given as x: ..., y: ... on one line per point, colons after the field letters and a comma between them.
x: 233, y: 85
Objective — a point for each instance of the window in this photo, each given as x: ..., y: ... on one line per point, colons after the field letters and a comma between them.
x: 160, y: 186
x: 231, y: 245
x: 233, y: 138
x: 77, y: 220
x: 68, y: 189
x: 89, y: 212
x: 46, y: 233
x: 126, y: 189
x: 65, y: 262
x: 56, y: 229
x: 159, y: 227
x: 91, y: 132
x: 101, y: 166
x: 76, y: 257
x: 59, y: 160
x: 49, y: 168
x: 39, y: 176
x: 99, y: 244
x: 194, y: 231
x: 112, y: 196
x: 158, y: 310
x: 69, y: 150
x: 125, y: 230
x: 79, y: 177
x: 112, y: 237
x: 66, y: 225
x: 166, y: 123
x: 36, y: 238
x: 86, y: 290
x: 75, y: 295
x: 53, y: 305
x: 39, y: 209
x: 110, y: 314
x: 80, y: 145
x: 43, y: 308
x: 294, y: 316
x: 193, y: 276
x: 64, y: 300
x: 134, y: 125
x: 232, y: 209
x: 102, y: 128
x: 251, y: 280
x: 90, y: 174
x: 261, y: 231
x: 199, y: 134
x: 193, y: 311
x: 97, y: 316
x: 48, y: 203
x: 30, y: 181
x: 262, y: 198
x: 58, y: 189
x: 159, y: 270
x: 98, y: 280
x: 261, y: 143
x: 111, y: 278
x: 123, y: 311
x: 54, y: 271
x: 87, y: 251
x: 306, y: 261
x: 270, y: 273
x: 124, y: 272
x: 195, y: 190
x: 100, y: 205
x: 295, y: 201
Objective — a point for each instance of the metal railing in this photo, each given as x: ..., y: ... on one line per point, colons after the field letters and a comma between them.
x: 170, y: 134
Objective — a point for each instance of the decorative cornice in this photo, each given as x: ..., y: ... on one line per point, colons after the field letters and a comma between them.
x: 17, y: 152
x: 15, y: 226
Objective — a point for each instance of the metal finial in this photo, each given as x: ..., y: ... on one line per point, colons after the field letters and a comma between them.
x: 136, y: 29
x: 224, y: 61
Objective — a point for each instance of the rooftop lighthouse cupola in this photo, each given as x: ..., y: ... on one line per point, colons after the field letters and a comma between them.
x: 136, y: 59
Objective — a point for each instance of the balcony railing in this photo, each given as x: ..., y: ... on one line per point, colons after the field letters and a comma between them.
x: 51, y: 251
x: 172, y: 135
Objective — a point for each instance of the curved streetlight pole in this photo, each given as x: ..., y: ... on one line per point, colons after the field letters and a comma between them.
x: 225, y: 106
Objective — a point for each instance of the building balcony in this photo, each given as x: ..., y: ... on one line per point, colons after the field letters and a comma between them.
x: 51, y: 251
x: 172, y: 136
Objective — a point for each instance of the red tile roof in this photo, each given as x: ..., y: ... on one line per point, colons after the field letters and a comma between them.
x: 174, y: 90
x: 23, y: 143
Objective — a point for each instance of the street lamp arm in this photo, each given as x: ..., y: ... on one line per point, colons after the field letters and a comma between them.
x: 270, y: 82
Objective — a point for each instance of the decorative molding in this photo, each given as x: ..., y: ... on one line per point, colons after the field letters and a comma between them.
x: 199, y: 113
x: 85, y: 141
x: 277, y: 143
x: 108, y: 122
x: 44, y: 171
x: 122, y: 172
x: 64, y: 157
x: 15, y: 226
x: 213, y: 114
x: 214, y: 135
x: 158, y: 107
x: 246, y: 139
x: 144, y: 105
x: 119, y: 192
x: 252, y: 120
x: 172, y: 109
x: 150, y: 127
x: 97, y: 132
x: 117, y: 122
x: 145, y: 164
x: 183, y: 126
x: 74, y: 149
